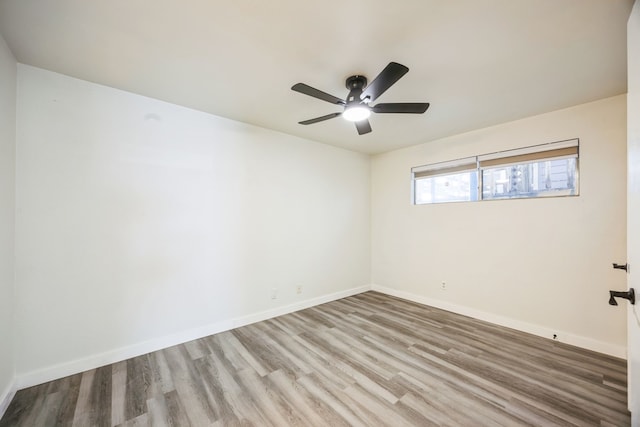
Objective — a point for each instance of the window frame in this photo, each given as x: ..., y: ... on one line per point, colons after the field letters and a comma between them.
x: 559, y: 150
x: 450, y: 167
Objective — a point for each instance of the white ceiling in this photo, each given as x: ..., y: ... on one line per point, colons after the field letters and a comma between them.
x: 478, y: 62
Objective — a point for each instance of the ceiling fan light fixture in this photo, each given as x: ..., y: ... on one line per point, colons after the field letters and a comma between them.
x: 357, y: 113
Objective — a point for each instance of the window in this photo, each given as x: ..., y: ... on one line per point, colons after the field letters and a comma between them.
x: 540, y: 171
x: 455, y: 181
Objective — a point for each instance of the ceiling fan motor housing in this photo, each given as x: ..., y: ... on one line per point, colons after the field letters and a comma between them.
x: 355, y: 84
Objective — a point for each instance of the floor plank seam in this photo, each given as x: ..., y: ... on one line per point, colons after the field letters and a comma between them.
x: 369, y: 359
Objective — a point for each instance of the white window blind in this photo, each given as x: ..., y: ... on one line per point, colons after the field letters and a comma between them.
x: 445, y: 168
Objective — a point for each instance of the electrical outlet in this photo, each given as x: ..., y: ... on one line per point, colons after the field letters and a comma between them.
x: 274, y: 293
x: 444, y: 286
x: 299, y: 289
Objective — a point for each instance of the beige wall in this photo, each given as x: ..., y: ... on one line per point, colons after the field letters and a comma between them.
x: 7, y: 209
x: 539, y: 265
x: 142, y: 224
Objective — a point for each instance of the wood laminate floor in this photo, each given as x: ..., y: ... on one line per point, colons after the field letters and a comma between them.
x: 366, y: 360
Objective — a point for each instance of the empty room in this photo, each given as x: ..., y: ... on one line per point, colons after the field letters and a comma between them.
x: 365, y: 213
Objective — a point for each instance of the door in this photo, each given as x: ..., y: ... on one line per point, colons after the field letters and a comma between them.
x: 633, y: 210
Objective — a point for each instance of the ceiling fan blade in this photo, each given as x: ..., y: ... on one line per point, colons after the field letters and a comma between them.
x: 401, y: 107
x: 384, y: 81
x: 363, y: 126
x: 320, y: 119
x: 311, y: 91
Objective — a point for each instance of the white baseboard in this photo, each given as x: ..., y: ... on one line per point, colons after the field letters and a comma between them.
x: 62, y: 370
x: 6, y: 396
x: 565, y: 337
x: 80, y: 365
x: 270, y: 314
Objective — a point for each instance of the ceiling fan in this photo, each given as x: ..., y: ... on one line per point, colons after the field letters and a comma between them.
x: 357, y: 106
